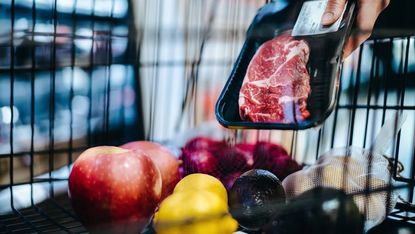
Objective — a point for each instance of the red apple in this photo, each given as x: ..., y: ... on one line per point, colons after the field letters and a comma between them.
x: 114, y: 190
x: 164, y: 160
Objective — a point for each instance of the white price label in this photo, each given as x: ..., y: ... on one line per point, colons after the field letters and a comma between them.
x: 309, y: 19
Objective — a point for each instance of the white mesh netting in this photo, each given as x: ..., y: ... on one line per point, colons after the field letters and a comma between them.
x: 348, y: 169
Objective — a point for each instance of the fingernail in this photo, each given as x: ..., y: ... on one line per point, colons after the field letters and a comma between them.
x: 327, y: 18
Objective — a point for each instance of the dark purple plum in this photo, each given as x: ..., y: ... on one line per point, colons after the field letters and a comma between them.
x: 253, y: 198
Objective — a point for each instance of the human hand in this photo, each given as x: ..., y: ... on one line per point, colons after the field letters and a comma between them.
x: 367, y: 13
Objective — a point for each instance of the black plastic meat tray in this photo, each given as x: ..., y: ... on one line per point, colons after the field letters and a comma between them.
x: 272, y: 20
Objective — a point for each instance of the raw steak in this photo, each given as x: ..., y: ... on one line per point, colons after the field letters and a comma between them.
x: 276, y: 85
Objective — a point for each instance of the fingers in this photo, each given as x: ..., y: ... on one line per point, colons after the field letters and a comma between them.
x: 368, y: 12
x: 354, y: 41
x: 333, y: 12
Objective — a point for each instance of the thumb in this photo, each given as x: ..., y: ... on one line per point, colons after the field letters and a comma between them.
x: 333, y: 11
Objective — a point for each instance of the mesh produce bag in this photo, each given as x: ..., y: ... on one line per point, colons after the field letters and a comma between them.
x: 355, y: 171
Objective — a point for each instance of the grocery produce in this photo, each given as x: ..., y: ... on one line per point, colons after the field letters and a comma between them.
x: 277, y: 83
x: 274, y: 158
x: 319, y: 211
x: 114, y: 190
x: 235, y: 159
x: 227, y: 162
x: 190, y: 212
x: 246, y: 147
x: 229, y: 179
x: 265, y: 152
x: 350, y: 174
x: 200, y: 143
x: 363, y: 173
x: 254, y: 197
x: 200, y: 161
x: 164, y: 160
x: 198, y: 181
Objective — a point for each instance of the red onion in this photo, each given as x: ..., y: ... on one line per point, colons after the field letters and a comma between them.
x: 199, y: 161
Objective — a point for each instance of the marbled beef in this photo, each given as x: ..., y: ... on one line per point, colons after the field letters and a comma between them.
x: 276, y: 85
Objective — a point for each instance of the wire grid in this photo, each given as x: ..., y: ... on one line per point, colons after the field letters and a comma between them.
x: 181, y: 66
x: 37, y: 62
x: 52, y: 216
x: 47, y: 49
